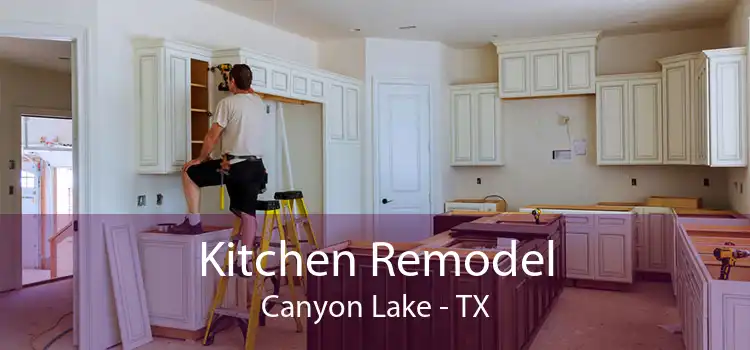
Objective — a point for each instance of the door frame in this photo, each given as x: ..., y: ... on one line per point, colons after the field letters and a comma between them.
x: 374, y: 154
x: 81, y: 83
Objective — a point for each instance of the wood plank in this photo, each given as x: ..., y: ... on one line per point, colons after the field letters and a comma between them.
x: 282, y: 99
x: 579, y: 207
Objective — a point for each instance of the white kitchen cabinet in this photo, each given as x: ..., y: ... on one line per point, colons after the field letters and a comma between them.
x: 476, y: 125
x: 629, y: 119
x: 547, y: 66
x: 705, y: 117
x: 654, y: 240
x: 177, y: 293
x: 599, y: 244
x: 163, y: 103
x: 678, y: 109
x: 726, y: 102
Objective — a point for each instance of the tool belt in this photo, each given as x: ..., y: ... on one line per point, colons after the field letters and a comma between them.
x: 230, y: 157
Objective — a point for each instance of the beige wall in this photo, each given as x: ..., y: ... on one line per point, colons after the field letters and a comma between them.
x: 737, y: 31
x: 304, y: 129
x: 532, y: 133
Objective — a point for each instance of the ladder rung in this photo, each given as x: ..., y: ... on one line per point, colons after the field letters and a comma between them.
x: 232, y: 313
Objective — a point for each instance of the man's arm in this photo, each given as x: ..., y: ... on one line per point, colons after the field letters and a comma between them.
x: 210, y: 140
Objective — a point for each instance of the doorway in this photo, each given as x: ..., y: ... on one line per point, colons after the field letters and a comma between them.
x: 46, y: 197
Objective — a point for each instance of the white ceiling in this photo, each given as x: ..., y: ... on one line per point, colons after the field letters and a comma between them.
x: 474, y: 22
x: 36, y: 53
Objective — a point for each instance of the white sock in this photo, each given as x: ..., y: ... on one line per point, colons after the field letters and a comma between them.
x: 194, y: 219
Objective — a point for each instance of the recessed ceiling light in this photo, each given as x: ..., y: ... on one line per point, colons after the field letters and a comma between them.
x: 354, y: 30
x: 408, y: 27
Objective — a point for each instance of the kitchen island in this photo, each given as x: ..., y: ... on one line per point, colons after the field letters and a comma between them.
x: 483, y: 311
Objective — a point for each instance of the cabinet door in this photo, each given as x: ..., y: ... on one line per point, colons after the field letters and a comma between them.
x: 351, y: 112
x: 487, y: 127
x: 461, y: 127
x: 149, y: 72
x: 578, y: 252
x: 656, y: 240
x: 514, y: 75
x: 677, y: 109
x: 178, y: 119
x: 546, y: 72
x: 727, y: 111
x: 700, y: 114
x: 613, y: 259
x: 579, y: 70
x: 645, y: 131
x: 335, y: 112
x: 611, y: 122
x: 300, y: 85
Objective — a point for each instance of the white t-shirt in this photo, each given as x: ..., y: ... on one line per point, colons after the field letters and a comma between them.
x: 241, y: 116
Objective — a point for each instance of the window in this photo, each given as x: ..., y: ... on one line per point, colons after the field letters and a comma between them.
x: 28, y: 180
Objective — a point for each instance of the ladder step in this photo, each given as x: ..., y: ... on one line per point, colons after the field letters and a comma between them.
x: 232, y: 313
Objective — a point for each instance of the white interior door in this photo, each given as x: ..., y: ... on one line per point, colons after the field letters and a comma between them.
x: 31, y: 209
x: 402, y: 114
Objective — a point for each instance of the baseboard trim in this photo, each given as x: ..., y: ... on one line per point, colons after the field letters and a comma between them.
x: 51, y: 280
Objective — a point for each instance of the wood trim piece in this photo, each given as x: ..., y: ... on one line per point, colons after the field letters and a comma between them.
x: 127, y: 284
x: 282, y: 99
x: 548, y: 96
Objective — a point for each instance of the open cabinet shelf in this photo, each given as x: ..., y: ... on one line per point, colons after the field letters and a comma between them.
x: 199, y: 105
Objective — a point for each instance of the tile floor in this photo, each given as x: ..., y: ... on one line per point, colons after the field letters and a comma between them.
x: 582, y: 319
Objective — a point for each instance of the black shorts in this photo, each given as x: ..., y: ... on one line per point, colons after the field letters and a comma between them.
x: 245, y: 181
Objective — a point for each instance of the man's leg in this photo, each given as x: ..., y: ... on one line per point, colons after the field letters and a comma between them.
x: 192, y: 197
x: 196, y: 176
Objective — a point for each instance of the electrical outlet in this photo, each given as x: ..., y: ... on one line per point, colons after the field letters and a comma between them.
x: 633, y: 182
x: 479, y: 181
x: 159, y: 198
x: 142, y: 200
x: 706, y: 182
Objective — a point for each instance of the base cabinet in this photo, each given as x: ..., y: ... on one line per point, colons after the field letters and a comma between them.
x: 513, y: 311
x: 599, y: 244
x: 654, y: 240
x: 177, y: 293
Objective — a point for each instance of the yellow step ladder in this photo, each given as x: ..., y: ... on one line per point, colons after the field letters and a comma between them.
x: 289, y: 200
x: 272, y: 219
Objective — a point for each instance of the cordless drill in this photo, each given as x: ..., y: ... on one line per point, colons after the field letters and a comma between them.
x: 728, y: 257
x: 224, y: 68
x: 537, y: 213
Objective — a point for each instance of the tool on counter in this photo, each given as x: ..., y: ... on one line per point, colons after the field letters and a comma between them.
x: 728, y: 257
x: 537, y: 213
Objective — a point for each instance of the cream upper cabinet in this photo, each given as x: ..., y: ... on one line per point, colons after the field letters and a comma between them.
x: 629, y: 119
x: 678, y: 108
x: 476, y: 125
x: 164, y: 102
x: 705, y: 117
x: 547, y: 66
x: 726, y: 101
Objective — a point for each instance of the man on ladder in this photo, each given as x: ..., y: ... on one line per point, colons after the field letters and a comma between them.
x: 238, y: 125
